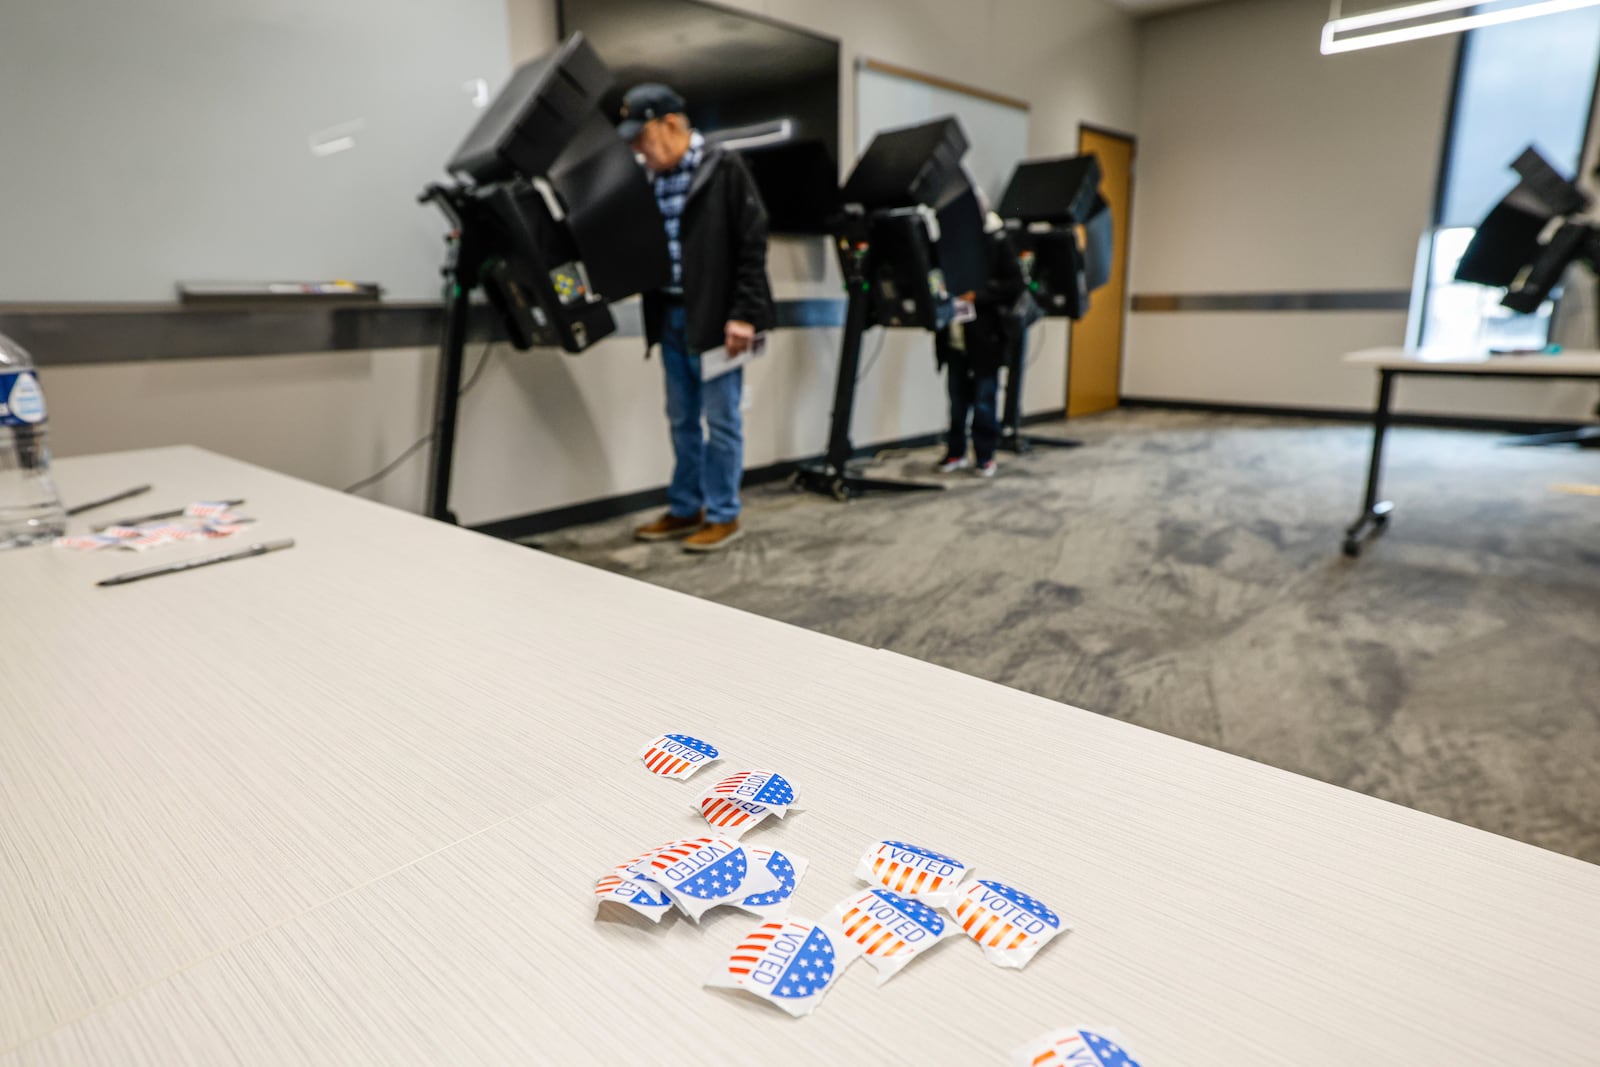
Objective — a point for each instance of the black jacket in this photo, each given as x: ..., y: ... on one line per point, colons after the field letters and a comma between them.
x: 990, y: 341
x: 724, y: 236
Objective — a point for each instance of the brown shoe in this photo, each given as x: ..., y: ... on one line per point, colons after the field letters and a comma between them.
x: 714, y: 537
x: 669, y: 526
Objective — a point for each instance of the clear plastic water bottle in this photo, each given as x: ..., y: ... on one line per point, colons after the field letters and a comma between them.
x: 30, y: 507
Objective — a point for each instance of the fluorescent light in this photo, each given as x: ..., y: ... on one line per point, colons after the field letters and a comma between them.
x: 764, y: 133
x: 1410, y: 12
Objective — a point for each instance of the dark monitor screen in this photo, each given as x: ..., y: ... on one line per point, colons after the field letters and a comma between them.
x: 737, y: 72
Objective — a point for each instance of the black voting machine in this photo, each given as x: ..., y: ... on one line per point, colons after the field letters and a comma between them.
x: 1507, y: 253
x: 910, y: 235
x: 1044, y: 205
x: 551, y: 217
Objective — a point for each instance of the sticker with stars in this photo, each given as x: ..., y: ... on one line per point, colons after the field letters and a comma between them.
x: 890, y: 929
x: 699, y: 873
x: 741, y: 801
x: 1010, y: 925
x: 677, y: 755
x: 788, y: 869
x: 646, y: 898
x: 912, y: 871
x: 789, y: 964
x: 1077, y: 1046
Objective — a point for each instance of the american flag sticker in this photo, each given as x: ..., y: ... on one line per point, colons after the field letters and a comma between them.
x: 788, y: 869
x: 789, y: 964
x: 700, y: 873
x: 206, y: 509
x: 742, y: 800
x: 86, y: 543
x: 891, y: 930
x: 1010, y: 925
x: 912, y: 871
x: 646, y: 898
x: 677, y: 755
x: 1078, y: 1046
x: 122, y: 532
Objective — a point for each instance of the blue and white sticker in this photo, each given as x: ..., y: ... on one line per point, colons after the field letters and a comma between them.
x: 21, y: 399
x: 788, y: 869
x: 789, y: 964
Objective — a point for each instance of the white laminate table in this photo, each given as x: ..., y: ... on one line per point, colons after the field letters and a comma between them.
x: 345, y: 804
x: 1391, y: 363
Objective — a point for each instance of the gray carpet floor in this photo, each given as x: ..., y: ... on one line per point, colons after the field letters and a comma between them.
x: 1182, y: 571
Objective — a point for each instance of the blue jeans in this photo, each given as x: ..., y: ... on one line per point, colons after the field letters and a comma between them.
x: 976, y: 396
x: 706, y: 472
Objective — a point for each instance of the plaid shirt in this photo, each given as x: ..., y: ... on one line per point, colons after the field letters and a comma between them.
x: 672, y: 192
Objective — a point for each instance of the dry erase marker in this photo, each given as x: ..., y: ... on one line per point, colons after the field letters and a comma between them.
x: 205, y: 561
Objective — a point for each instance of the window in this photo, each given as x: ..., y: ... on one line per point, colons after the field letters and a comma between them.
x: 1521, y: 83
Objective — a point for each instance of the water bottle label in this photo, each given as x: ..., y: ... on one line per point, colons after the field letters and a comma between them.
x: 21, y: 399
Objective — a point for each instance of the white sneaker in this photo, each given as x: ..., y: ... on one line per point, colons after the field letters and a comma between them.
x: 950, y: 464
x: 986, y: 470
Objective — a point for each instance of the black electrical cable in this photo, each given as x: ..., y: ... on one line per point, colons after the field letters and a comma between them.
x: 411, y: 449
x: 872, y: 360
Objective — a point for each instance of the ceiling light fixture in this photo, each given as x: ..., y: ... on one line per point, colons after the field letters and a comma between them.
x: 1432, y: 18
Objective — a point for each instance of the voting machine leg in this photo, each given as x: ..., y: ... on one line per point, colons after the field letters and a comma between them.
x: 447, y: 397
x: 1012, y: 439
x: 832, y: 477
x: 1374, y: 512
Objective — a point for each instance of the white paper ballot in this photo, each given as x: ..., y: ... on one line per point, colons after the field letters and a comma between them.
x: 716, y: 362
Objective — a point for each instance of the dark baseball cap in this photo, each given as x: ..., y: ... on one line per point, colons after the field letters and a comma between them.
x: 645, y: 102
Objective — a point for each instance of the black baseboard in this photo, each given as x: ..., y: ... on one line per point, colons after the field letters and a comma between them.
x: 518, y: 527
x: 1400, y: 418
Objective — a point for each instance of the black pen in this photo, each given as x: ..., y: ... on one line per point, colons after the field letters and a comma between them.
x: 79, y: 509
x: 177, y: 513
x: 205, y: 561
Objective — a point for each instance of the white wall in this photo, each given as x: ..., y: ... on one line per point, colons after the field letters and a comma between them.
x: 1265, y: 166
x: 542, y: 429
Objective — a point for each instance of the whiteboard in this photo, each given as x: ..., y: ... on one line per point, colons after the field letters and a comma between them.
x: 150, y: 142
x: 998, y: 133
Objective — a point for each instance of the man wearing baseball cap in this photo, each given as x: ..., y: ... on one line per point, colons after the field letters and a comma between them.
x: 719, y: 295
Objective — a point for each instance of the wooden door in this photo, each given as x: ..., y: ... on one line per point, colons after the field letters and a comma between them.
x: 1094, y: 359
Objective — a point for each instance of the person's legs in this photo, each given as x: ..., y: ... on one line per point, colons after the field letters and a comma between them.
x: 685, y: 494
x: 958, y: 379
x: 985, y: 416
x: 724, y: 465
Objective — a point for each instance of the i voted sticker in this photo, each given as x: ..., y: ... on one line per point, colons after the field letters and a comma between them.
x: 788, y: 964
x: 677, y: 755
x: 1010, y: 925
x: 912, y: 871
x: 643, y: 897
x: 788, y: 869
x: 1077, y: 1046
x: 700, y: 873
x: 742, y: 800
x: 890, y: 930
